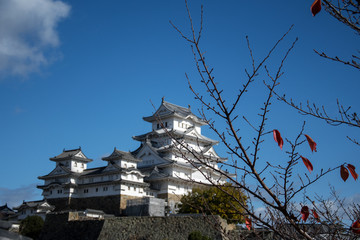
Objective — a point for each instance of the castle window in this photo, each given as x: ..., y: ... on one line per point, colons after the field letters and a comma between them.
x: 75, y: 164
x: 82, y: 165
x: 86, y: 190
x: 96, y: 189
x: 105, y: 189
x: 165, y: 124
x: 157, y: 126
x: 129, y: 188
x: 59, y: 191
x: 50, y: 192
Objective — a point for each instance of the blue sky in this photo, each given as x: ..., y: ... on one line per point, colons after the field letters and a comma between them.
x: 83, y: 74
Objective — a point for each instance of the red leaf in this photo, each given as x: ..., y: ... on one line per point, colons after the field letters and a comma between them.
x: 315, y: 7
x: 355, y: 227
x: 248, y: 223
x: 344, y: 173
x: 311, y: 142
x: 304, y: 213
x: 352, y: 171
x: 278, y: 138
x: 316, y: 216
x: 307, y: 163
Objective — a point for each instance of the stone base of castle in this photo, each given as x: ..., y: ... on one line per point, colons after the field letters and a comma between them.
x: 109, y: 204
x: 170, y: 197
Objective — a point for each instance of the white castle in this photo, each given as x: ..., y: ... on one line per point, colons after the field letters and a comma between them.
x: 158, y: 168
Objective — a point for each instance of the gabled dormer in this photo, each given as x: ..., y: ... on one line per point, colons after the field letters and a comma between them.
x: 73, y: 159
x: 149, y: 156
x: 172, y: 116
x: 122, y: 159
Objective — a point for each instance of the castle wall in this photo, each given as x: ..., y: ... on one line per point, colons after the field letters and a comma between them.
x: 109, y: 204
x: 58, y: 227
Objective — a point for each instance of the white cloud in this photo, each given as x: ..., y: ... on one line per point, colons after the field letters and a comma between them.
x: 27, y: 31
x: 14, y: 197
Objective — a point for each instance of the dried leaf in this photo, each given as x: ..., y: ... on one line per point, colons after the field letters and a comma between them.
x: 344, y: 173
x: 355, y: 227
x: 316, y: 216
x: 315, y: 7
x: 278, y: 138
x: 307, y: 163
x: 352, y: 171
x: 304, y: 213
x: 311, y: 142
x: 248, y: 223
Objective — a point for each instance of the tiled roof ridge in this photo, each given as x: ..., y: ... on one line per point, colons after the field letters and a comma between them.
x: 178, y: 106
x: 72, y: 150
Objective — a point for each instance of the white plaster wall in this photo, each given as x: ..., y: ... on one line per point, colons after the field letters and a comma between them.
x: 179, y: 188
x: 198, y: 128
x: 132, y: 190
x: 127, y: 164
x: 78, y: 166
x: 54, y: 193
x: 199, y: 177
x: 110, y: 190
x: 97, y: 191
x: 168, y: 123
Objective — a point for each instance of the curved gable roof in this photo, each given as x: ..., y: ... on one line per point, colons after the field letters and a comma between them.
x: 119, y: 155
x: 167, y: 109
x: 72, y: 154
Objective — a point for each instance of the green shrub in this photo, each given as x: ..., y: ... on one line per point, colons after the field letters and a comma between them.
x: 196, y: 235
x: 31, y: 226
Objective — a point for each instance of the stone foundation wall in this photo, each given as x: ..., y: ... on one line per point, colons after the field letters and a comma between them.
x: 61, y: 204
x: 170, y: 197
x: 123, y: 200
x: 58, y: 227
x: 109, y: 204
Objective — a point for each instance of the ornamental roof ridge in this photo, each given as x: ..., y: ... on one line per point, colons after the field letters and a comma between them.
x: 173, y: 109
x: 32, y: 204
x: 118, y: 154
x: 5, y: 207
x: 65, y: 169
x: 71, y: 155
x: 196, y: 136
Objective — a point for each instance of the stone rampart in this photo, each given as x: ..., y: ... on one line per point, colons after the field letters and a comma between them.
x: 115, y: 204
x: 57, y: 226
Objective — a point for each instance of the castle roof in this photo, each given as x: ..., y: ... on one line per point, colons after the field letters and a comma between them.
x: 190, y: 133
x: 6, y: 209
x: 72, y: 154
x: 59, y: 171
x: 40, y: 204
x: 167, y: 109
x: 121, y: 155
